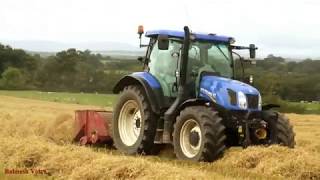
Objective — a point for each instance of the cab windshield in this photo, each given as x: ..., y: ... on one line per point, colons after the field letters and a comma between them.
x: 207, y: 56
x: 203, y: 57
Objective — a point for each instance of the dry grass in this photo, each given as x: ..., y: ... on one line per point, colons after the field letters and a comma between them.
x: 37, y: 134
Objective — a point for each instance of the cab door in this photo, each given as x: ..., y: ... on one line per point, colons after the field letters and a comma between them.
x: 163, y: 65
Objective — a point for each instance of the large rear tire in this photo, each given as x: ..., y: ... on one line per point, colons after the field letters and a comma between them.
x: 133, y: 123
x: 199, y: 134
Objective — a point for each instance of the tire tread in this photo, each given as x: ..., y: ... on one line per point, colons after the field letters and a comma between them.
x: 213, y: 131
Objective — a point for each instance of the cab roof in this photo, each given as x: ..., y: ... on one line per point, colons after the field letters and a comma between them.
x: 198, y: 36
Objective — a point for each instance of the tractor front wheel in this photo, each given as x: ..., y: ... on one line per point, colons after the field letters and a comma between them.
x: 280, y: 129
x: 133, y: 122
x: 199, y: 134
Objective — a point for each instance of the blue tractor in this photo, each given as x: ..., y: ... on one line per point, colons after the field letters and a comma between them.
x: 188, y: 96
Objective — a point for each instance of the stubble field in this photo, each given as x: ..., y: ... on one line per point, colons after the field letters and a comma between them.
x: 36, y: 135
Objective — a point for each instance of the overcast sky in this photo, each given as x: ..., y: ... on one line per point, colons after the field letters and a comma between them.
x: 282, y: 27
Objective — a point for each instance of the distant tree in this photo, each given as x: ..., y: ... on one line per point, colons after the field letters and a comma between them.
x: 12, y: 78
x: 18, y: 58
x: 271, y: 57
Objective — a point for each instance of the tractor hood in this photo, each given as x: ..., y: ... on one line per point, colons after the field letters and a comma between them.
x: 230, y: 94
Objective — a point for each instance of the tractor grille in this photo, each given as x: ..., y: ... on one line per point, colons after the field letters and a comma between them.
x: 253, y: 101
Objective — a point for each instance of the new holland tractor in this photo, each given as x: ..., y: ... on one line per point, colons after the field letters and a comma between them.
x: 189, y: 96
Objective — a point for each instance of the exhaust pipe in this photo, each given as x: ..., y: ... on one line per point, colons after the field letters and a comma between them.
x: 169, y: 114
x: 261, y: 133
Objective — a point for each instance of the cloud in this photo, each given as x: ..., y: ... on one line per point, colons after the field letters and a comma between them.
x: 285, y: 26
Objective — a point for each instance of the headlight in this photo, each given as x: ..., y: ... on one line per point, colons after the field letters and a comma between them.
x: 260, y: 102
x: 242, y: 100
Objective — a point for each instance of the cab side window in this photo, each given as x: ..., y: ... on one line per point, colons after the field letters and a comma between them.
x: 163, y: 64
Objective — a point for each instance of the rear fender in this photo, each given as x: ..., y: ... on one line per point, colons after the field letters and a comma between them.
x: 150, y: 85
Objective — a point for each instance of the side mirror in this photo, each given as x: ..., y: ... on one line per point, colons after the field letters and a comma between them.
x: 163, y: 42
x: 252, y: 49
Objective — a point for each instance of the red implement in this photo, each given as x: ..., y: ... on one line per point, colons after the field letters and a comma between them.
x: 92, y: 127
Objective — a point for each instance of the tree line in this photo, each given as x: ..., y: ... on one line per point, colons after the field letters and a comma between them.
x: 83, y: 71
x: 70, y: 70
x: 289, y: 80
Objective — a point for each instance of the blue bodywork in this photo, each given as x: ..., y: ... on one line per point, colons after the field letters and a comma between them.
x: 198, y: 36
x: 214, y: 88
x: 150, y: 79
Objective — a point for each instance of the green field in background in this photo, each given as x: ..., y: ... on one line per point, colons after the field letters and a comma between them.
x: 105, y: 100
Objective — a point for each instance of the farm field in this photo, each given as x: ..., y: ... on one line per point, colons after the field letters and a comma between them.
x: 103, y: 100
x: 37, y: 134
x: 107, y: 100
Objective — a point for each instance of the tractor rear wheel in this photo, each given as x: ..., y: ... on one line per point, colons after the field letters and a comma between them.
x: 133, y: 122
x: 280, y: 129
x: 199, y: 134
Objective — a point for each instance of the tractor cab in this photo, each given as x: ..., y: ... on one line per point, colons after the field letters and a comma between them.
x: 207, y: 53
x: 209, y: 61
